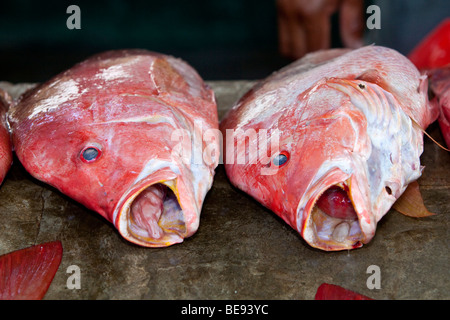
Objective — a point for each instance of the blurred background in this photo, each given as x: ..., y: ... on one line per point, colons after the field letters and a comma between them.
x: 223, y: 40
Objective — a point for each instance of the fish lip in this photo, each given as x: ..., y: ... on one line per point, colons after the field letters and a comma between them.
x: 307, y: 228
x: 122, y: 209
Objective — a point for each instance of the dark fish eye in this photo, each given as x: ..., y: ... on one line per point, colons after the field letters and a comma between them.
x: 90, y: 154
x: 280, y: 159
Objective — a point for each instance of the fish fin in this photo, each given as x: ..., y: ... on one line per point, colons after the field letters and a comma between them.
x: 321, y: 56
x: 27, y: 274
x: 411, y: 203
x: 166, y: 78
x: 328, y: 291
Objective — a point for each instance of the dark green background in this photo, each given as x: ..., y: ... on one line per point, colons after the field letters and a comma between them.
x: 222, y: 39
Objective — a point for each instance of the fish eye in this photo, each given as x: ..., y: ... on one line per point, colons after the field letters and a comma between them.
x: 90, y: 154
x: 281, y: 158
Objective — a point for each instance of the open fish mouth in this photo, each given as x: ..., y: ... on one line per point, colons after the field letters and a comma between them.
x: 152, y: 216
x: 333, y: 222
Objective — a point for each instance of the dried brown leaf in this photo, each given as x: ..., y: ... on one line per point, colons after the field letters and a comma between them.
x: 411, y: 202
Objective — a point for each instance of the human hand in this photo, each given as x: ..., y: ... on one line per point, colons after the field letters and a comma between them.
x: 304, y: 25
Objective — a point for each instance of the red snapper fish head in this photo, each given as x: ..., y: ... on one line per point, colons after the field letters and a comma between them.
x: 117, y: 133
x: 124, y: 164
x: 339, y: 163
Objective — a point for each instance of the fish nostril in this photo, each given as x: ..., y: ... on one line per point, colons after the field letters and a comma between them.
x: 388, y: 190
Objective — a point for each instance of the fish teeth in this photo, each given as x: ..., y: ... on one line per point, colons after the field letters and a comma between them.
x: 341, y: 185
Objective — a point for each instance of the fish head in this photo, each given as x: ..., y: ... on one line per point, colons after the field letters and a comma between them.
x: 342, y: 158
x: 118, y: 155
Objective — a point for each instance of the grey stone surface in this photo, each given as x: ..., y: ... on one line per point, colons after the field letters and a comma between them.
x: 241, y: 250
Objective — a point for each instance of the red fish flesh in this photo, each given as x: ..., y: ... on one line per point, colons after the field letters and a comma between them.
x: 6, y: 157
x: 342, y: 140
x: 112, y: 133
x: 26, y: 274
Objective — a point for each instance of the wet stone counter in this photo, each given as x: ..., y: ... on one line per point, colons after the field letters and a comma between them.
x: 241, y: 250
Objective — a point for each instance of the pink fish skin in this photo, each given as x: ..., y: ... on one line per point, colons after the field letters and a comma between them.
x: 440, y: 86
x: 106, y: 133
x: 345, y: 118
x: 6, y: 153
